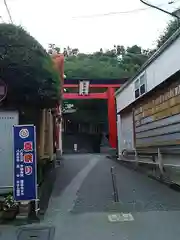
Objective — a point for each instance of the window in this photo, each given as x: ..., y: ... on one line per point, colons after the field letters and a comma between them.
x: 142, y: 79
x: 142, y: 89
x: 137, y: 82
x: 140, y: 86
x: 137, y: 93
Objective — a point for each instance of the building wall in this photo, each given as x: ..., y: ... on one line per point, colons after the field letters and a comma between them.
x: 165, y: 65
x: 125, y: 131
x: 157, y: 118
x: 125, y: 98
x: 7, y: 120
x: 119, y: 130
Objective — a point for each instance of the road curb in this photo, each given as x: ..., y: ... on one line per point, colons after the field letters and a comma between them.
x: 161, y: 180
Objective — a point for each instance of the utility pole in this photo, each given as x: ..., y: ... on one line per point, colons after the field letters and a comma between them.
x: 160, y: 9
x: 8, y: 11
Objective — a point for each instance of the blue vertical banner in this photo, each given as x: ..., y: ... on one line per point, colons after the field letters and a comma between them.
x: 25, y: 163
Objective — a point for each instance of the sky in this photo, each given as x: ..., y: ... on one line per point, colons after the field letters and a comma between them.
x: 86, y: 24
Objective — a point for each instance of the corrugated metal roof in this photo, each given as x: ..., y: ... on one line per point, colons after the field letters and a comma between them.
x: 151, y: 59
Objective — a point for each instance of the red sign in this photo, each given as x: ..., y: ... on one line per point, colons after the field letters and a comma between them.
x: 28, y: 146
x: 28, y: 158
x: 3, y: 90
x: 28, y: 170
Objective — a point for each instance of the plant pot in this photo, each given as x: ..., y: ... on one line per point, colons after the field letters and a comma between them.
x: 10, y: 213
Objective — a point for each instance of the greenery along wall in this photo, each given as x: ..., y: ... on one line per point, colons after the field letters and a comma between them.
x: 27, y: 69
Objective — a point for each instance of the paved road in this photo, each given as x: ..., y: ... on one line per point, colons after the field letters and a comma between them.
x: 81, y: 206
x: 85, y: 209
x: 137, y: 192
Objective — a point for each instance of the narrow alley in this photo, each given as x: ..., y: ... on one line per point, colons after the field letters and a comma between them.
x: 81, y: 206
x: 89, y: 108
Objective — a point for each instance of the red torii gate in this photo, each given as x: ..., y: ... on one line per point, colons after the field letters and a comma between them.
x: 109, y: 94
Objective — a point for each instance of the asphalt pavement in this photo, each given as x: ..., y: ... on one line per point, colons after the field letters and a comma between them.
x: 82, y: 207
x: 137, y: 192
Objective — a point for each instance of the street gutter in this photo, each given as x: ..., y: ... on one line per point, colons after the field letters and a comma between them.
x: 140, y: 169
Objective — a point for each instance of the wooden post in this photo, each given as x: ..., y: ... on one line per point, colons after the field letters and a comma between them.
x: 59, y: 133
x: 42, y: 133
x: 136, y: 157
x: 50, y: 138
x: 160, y: 162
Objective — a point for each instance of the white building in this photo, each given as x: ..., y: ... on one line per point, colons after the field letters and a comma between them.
x: 148, y: 105
x: 7, y: 120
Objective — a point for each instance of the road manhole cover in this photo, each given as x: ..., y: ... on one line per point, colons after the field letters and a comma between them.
x: 36, y: 233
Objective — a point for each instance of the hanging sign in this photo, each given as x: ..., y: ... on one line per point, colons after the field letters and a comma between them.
x: 84, y: 87
x: 25, y: 170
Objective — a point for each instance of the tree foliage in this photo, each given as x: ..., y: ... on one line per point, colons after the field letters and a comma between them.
x: 117, y: 62
x: 168, y: 32
x: 113, y: 63
x: 27, y: 69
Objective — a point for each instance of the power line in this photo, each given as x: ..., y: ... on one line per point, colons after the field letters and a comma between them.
x: 112, y: 13
x: 8, y: 11
x: 122, y: 12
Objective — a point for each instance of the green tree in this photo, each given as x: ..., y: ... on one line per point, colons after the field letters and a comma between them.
x: 168, y: 32
x: 52, y: 47
x: 27, y: 69
x: 117, y: 62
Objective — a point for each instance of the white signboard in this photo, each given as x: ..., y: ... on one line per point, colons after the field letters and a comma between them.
x: 83, y: 87
x: 7, y: 120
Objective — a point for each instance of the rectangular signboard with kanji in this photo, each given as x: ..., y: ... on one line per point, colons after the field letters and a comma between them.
x: 25, y: 165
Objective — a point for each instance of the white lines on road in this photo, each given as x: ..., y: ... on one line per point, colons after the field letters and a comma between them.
x: 65, y: 202
x: 120, y: 217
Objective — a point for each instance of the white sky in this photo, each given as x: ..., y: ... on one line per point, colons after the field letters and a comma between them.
x: 57, y: 21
